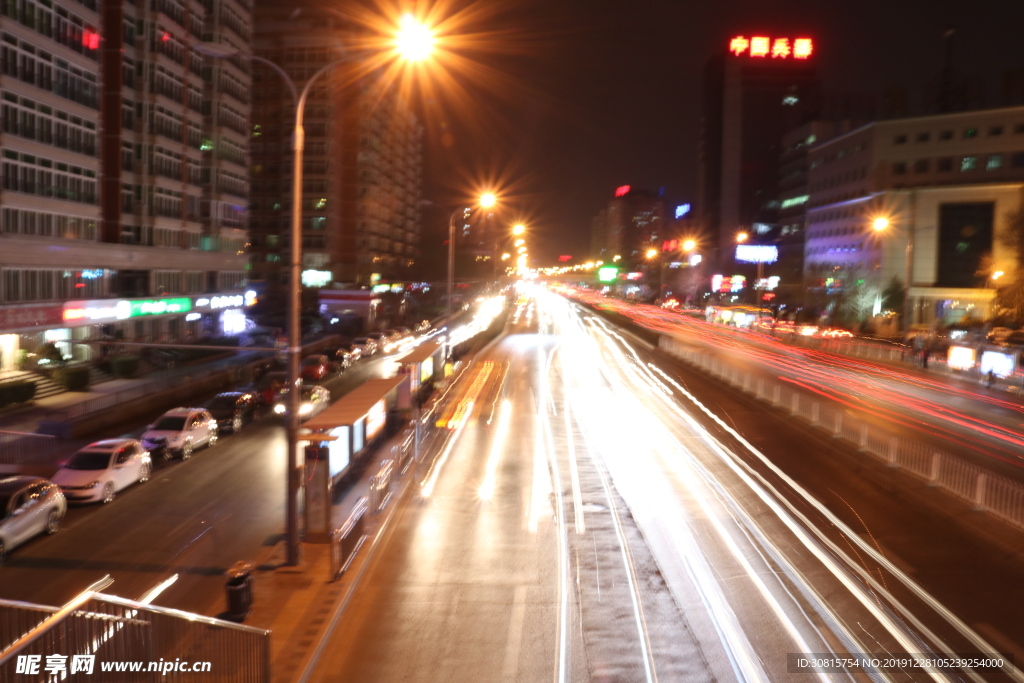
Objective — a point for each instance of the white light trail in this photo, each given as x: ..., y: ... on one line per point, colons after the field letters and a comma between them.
x: 497, y: 448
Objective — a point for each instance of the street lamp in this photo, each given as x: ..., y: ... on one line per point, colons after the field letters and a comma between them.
x: 689, y: 245
x: 880, y: 224
x: 742, y: 237
x: 518, y: 229
x: 412, y: 42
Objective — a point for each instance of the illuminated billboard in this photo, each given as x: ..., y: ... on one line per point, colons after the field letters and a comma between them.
x: 764, y: 47
x: 998, y: 363
x: 375, y: 419
x: 757, y: 253
x: 607, y: 274
x: 682, y: 210
x: 961, y: 357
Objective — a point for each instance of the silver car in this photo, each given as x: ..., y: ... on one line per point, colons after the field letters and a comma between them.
x: 181, y: 431
x: 28, y: 507
x: 97, y: 472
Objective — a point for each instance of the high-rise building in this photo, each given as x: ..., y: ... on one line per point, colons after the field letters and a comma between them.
x: 633, y: 221
x: 754, y: 92
x: 104, y: 175
x: 362, y: 163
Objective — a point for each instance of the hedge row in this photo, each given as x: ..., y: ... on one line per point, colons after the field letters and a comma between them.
x: 16, y: 392
x: 74, y: 378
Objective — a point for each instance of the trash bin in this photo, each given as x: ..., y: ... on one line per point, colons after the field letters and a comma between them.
x: 239, y: 590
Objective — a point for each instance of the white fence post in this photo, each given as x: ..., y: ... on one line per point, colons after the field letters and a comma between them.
x: 815, y: 413
x: 760, y: 387
x: 777, y: 395
x: 795, y: 403
x: 863, y: 437
x: 933, y: 477
x: 979, y: 491
x: 838, y: 429
x: 894, y: 445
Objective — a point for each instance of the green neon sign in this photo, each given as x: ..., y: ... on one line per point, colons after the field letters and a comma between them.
x: 607, y: 274
x: 160, y: 306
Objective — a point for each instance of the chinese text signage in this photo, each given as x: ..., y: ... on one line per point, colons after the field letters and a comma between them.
x: 771, y: 48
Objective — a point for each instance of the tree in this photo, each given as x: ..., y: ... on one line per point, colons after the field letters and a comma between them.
x: 1010, y: 296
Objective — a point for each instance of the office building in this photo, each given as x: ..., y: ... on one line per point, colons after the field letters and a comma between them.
x: 104, y: 175
x: 633, y: 221
x: 943, y: 183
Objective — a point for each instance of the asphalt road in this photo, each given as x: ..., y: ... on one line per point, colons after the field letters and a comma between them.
x: 592, y: 518
x: 195, y: 518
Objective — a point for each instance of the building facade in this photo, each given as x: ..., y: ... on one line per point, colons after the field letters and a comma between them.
x: 634, y: 221
x: 104, y: 176
x: 751, y: 98
x: 362, y: 163
x: 942, y: 185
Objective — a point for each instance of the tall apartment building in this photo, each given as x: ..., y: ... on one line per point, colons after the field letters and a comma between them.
x: 362, y: 164
x: 103, y: 175
x: 633, y: 221
x: 946, y: 182
x: 753, y: 93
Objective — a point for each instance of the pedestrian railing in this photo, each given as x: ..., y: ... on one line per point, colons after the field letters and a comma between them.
x: 983, y: 489
x: 28, y: 449
x: 348, y: 539
x: 116, y: 639
x: 380, y: 487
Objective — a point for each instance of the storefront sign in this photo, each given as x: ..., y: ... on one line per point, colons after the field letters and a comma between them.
x: 113, y: 309
x: 30, y: 316
x: 216, y: 303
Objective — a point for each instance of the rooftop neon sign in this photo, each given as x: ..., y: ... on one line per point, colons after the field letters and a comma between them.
x: 778, y: 48
x: 622, y: 190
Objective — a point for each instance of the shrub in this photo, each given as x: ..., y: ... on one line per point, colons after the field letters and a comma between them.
x: 74, y: 378
x: 124, y: 366
x: 20, y: 392
x: 50, y: 353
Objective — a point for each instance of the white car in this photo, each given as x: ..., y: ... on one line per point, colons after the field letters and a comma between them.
x: 28, y: 506
x: 313, y: 400
x: 181, y: 431
x: 97, y: 472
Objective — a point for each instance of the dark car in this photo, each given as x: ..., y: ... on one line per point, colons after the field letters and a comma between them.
x: 315, y: 368
x: 233, y: 410
x: 269, y: 386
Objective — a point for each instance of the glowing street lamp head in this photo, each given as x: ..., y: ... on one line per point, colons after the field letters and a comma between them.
x: 742, y: 237
x: 413, y: 41
x: 998, y: 274
x: 880, y: 224
x: 519, y: 229
x: 689, y: 245
x: 651, y: 253
x: 520, y: 242
x: 487, y: 200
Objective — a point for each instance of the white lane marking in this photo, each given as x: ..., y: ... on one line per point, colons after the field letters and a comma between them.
x: 515, y: 635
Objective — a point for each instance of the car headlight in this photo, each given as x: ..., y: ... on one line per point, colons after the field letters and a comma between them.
x: 306, y: 407
x: 279, y: 409
x: 92, y: 485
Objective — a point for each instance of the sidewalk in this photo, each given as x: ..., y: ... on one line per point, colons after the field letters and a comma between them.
x: 301, y: 604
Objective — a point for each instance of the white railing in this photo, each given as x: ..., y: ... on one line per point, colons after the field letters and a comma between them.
x: 984, y: 490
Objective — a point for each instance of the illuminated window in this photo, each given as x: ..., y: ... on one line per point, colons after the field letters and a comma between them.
x: 899, y: 139
x: 970, y: 132
x: 968, y: 163
x: 994, y: 162
x: 759, y: 46
x: 946, y: 135
x: 924, y: 137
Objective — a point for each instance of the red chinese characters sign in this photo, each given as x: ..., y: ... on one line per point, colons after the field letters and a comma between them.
x: 764, y: 47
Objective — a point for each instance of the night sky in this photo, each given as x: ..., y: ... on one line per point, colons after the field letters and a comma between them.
x: 580, y: 96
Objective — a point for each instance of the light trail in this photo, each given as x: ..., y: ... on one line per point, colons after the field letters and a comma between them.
x: 497, y: 448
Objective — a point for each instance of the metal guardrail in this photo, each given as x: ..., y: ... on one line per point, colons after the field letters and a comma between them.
x: 380, y: 486
x: 107, y: 629
x: 27, y: 449
x: 348, y: 539
x: 983, y: 489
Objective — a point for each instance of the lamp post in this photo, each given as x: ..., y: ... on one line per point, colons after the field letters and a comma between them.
x: 413, y: 42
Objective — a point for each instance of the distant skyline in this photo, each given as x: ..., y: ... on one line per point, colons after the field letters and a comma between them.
x: 593, y: 94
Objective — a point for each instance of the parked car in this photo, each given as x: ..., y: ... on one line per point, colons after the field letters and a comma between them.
x: 181, y: 431
x: 28, y: 506
x: 269, y: 386
x: 313, y: 400
x: 340, y: 358
x: 97, y: 472
x: 315, y: 368
x: 366, y: 345
x: 233, y: 410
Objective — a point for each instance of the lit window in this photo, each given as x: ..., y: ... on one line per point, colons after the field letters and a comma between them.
x: 970, y: 132
x: 969, y: 163
x: 995, y: 161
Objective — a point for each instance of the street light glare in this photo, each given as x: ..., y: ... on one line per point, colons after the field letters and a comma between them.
x: 520, y: 242
x: 651, y: 253
x: 487, y: 200
x: 742, y: 237
x: 519, y: 229
x: 880, y: 224
x: 689, y: 245
x: 414, y: 41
